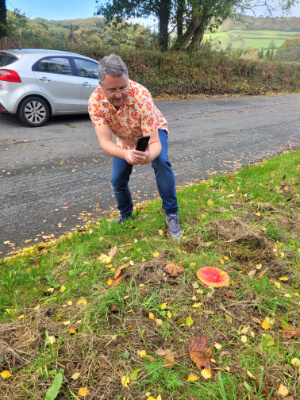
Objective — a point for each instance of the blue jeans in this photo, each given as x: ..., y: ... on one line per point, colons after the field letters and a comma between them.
x: 165, y: 180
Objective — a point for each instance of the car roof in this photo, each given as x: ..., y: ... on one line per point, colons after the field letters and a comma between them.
x: 44, y: 52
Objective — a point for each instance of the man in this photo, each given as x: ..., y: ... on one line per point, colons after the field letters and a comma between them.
x: 125, y: 108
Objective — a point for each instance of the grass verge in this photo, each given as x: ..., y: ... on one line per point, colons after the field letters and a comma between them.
x: 94, y: 314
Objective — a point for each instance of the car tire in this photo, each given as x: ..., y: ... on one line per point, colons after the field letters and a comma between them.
x: 34, y: 111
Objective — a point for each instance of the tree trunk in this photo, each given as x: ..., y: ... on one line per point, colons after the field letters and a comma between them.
x: 179, y: 18
x: 164, y: 13
x: 3, y: 21
x: 182, y: 42
x: 198, y: 36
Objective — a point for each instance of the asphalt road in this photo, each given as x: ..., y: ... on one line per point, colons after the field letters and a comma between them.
x: 52, y: 178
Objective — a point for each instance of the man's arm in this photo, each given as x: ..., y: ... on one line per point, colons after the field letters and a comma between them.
x: 133, y: 157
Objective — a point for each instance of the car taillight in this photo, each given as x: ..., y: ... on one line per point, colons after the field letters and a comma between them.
x: 9, y: 76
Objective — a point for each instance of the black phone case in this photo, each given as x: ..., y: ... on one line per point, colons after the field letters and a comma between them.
x: 142, y: 143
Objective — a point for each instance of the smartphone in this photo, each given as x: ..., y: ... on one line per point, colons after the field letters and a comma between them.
x: 142, y: 143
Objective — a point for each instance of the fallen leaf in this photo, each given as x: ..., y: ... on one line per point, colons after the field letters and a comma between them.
x: 143, y: 353
x: 206, y: 373
x: 116, y: 281
x: 119, y: 270
x: 169, y: 314
x: 159, y: 322
x: 51, y: 339
x: 83, y: 391
x: 234, y: 368
x: 282, y: 390
x: 256, y: 320
x: 163, y: 306
x: 151, y: 316
x: 174, y: 269
x: 125, y: 380
x: 75, y: 376
x: 265, y: 325
x: 5, y: 374
x: 289, y: 334
x: 230, y: 293
x: 197, y: 305
x: 62, y: 289
x: 228, y: 318
x: 134, y: 374
x: 189, y: 321
x: 192, y: 378
x: 113, y: 251
x: 200, y: 354
x: 103, y: 258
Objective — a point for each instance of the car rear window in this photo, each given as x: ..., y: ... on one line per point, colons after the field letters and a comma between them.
x: 6, y: 59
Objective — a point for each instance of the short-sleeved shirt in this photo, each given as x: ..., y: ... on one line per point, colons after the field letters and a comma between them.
x: 137, y: 117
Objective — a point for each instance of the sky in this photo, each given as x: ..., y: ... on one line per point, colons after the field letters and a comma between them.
x: 72, y: 9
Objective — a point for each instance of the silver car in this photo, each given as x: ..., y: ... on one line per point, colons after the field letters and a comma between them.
x: 36, y: 84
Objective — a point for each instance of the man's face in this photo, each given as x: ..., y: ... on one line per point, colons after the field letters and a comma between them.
x: 116, y: 89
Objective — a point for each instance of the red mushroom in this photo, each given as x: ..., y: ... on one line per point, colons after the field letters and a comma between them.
x: 213, y: 277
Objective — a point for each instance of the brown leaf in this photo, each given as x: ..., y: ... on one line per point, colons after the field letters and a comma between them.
x: 260, y: 276
x: 113, y: 251
x: 114, y: 308
x: 289, y: 334
x: 119, y: 270
x: 169, y: 357
x: 230, y: 293
x: 256, y: 320
x: 200, y: 354
x: 234, y: 368
x: 174, y: 269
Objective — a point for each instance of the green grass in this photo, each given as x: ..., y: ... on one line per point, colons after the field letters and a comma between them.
x: 246, y: 38
x: 246, y: 223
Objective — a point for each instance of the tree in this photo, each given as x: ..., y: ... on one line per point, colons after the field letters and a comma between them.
x: 3, y: 20
x: 122, y: 9
x: 190, y: 17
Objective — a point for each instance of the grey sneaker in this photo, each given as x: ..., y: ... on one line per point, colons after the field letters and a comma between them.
x: 121, y: 220
x: 174, y: 229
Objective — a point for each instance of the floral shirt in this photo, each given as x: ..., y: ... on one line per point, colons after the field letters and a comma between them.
x: 137, y: 117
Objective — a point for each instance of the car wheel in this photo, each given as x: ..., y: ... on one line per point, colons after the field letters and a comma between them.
x: 34, y: 111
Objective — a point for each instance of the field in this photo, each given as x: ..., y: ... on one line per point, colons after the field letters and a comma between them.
x: 260, y: 40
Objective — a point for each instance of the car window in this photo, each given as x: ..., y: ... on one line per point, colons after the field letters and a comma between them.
x: 54, y: 65
x: 86, y: 68
x: 6, y: 59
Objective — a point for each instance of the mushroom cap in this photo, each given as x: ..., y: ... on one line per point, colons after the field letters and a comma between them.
x: 213, y: 276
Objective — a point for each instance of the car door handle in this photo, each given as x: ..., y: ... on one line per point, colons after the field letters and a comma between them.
x: 86, y: 84
x: 44, y: 79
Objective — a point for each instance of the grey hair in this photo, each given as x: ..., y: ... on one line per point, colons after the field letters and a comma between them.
x: 111, y: 65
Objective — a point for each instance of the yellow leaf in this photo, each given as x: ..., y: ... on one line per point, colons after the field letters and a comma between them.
x: 251, y: 375
x: 169, y: 314
x: 10, y: 311
x: 125, y: 380
x: 5, y: 374
x: 66, y: 323
x: 83, y: 391
x: 143, y: 354
x: 104, y: 259
x: 160, y: 232
x: 21, y: 316
x: 226, y: 258
x: 192, y: 264
x: 189, y: 321
x: 206, y: 373
x: 70, y: 303
x: 222, y: 261
x: 159, y: 322
x: 109, y: 282
x: 244, y: 338
x: 282, y: 390
x: 284, y: 278
x: 295, y: 362
x: 271, y: 343
x: 163, y: 306
x: 151, y: 315
x: 62, y: 289
x: 75, y: 376
x: 296, y: 294
x: 265, y: 325
x: 218, y: 346
x: 197, y: 305
x: 51, y: 339
x: 192, y: 378
x: 81, y: 302
x: 210, y: 202
x: 258, y: 266
x: 156, y: 254
x: 72, y: 332
x: 143, y: 259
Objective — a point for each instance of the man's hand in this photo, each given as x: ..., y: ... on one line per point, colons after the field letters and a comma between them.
x: 135, y: 157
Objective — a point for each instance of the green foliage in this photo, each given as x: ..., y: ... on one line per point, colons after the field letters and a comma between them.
x: 289, y: 51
